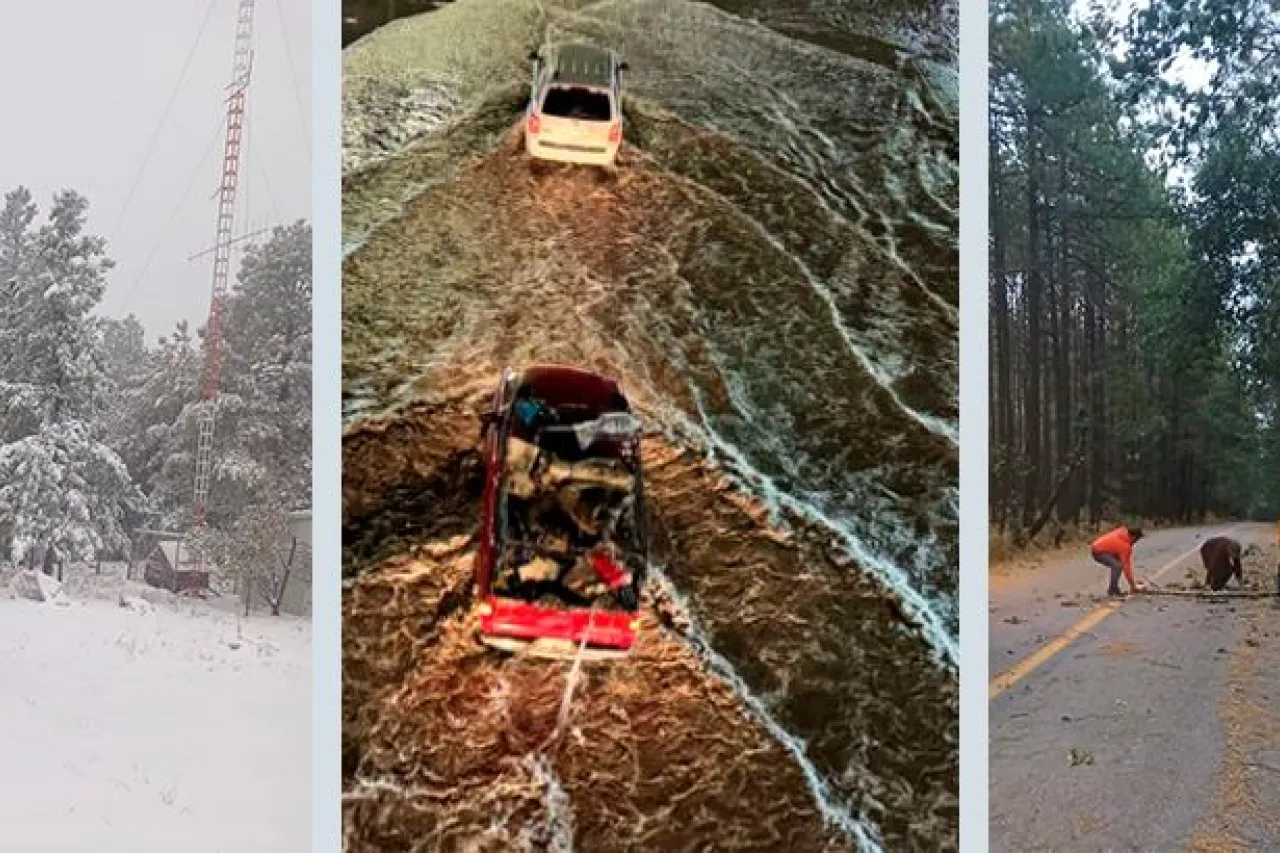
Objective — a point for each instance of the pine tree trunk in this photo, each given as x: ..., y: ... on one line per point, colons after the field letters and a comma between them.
x: 1033, y: 457
x: 1093, y: 379
x: 1103, y: 397
x: 1002, y: 404
x: 1062, y: 362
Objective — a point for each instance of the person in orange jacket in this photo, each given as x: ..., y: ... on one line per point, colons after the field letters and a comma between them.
x: 1114, y: 550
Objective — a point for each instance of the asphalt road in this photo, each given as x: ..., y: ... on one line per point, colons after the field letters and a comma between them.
x: 1147, y: 725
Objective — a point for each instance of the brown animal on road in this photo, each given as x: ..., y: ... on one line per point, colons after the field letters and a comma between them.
x: 1221, y: 558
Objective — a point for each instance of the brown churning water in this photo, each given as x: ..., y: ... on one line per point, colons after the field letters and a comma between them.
x: 773, y: 278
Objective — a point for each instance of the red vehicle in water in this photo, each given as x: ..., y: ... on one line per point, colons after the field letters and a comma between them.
x: 562, y: 552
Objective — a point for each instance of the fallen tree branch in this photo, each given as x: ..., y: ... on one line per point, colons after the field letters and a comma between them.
x: 1208, y: 593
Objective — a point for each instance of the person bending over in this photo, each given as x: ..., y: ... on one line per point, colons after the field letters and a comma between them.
x: 1114, y: 550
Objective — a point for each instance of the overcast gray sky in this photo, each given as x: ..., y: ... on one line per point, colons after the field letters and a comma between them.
x: 1186, y: 69
x: 86, y: 83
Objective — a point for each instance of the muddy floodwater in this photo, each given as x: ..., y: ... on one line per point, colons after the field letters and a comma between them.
x: 772, y: 276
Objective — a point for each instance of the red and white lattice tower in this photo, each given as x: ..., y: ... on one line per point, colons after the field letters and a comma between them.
x: 241, y: 65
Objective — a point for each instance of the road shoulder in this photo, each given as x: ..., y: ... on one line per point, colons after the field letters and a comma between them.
x: 1246, y: 804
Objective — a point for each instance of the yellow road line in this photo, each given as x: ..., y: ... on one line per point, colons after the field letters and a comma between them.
x: 1036, y: 659
x: 1089, y: 621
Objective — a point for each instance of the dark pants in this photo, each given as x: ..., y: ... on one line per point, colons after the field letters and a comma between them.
x: 1112, y: 562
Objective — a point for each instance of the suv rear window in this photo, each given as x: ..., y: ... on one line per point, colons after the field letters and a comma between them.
x: 577, y: 103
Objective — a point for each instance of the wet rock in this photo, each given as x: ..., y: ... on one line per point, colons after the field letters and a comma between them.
x: 1079, y: 757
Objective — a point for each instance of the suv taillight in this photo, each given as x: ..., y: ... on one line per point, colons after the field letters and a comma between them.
x: 615, y: 132
x: 535, y: 124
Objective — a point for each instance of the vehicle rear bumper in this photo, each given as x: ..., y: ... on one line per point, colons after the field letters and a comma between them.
x: 515, y: 625
x: 553, y: 649
x: 583, y: 155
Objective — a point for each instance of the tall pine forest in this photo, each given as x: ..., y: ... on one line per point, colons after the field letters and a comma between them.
x: 1134, y: 258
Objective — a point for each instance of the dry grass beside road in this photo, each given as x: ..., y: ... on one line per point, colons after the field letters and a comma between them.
x: 1246, y: 804
x: 1007, y: 562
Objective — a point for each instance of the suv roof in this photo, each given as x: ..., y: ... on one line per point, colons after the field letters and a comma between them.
x: 558, y: 385
x: 583, y: 65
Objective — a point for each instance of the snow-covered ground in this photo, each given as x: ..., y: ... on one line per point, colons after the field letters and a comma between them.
x: 164, y: 727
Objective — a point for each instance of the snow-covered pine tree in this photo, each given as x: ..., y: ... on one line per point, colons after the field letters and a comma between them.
x: 16, y: 248
x: 268, y: 366
x: 57, y: 336
x: 143, y: 420
x: 63, y: 492
x: 124, y: 350
x: 262, y: 445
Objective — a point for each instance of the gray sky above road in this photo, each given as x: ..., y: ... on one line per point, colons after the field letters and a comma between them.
x: 86, y: 83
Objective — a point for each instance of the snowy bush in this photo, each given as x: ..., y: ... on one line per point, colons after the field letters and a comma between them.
x: 61, y: 489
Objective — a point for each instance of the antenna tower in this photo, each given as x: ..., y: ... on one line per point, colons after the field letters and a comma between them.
x: 242, y: 64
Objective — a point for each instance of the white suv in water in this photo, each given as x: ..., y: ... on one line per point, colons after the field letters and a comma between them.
x: 575, y: 108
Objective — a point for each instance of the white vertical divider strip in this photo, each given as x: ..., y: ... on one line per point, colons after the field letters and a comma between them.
x: 974, y: 402
x: 326, y: 437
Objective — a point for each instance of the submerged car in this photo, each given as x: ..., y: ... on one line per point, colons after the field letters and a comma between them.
x: 575, y: 107
x: 562, y: 551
